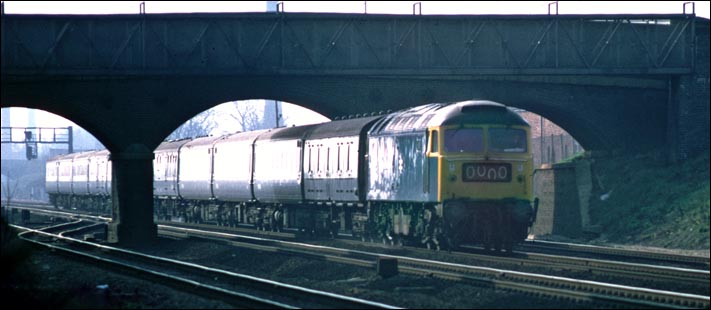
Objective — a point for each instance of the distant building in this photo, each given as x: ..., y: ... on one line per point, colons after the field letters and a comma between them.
x: 10, y: 151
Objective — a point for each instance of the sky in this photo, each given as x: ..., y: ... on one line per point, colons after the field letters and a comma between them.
x: 293, y: 112
x: 372, y: 7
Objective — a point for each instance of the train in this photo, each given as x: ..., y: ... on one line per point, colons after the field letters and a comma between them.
x: 438, y: 175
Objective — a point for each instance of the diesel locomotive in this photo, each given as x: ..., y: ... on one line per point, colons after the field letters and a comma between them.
x: 437, y: 174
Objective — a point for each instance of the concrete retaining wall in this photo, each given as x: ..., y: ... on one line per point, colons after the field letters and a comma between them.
x: 564, y: 191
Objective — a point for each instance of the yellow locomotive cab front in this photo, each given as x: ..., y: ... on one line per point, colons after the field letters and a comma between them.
x: 484, y: 176
x: 475, y: 163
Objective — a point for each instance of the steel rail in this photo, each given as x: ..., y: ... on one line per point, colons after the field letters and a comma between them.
x: 527, y: 245
x: 534, y: 283
x: 313, y: 297
x: 672, y: 257
x: 604, y: 267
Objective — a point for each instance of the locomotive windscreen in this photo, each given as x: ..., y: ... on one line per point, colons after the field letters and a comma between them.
x: 507, y: 140
x: 469, y: 140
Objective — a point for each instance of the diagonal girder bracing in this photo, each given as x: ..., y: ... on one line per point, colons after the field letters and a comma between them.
x: 346, y: 44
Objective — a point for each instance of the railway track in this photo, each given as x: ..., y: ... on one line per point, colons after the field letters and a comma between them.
x: 236, y: 289
x: 603, y: 261
x: 696, y: 278
x: 558, y: 287
x: 527, y: 250
x: 555, y: 287
x: 528, y: 247
x: 612, y: 252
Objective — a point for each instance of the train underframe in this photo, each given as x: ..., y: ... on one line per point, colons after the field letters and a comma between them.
x: 99, y: 204
x: 495, y: 224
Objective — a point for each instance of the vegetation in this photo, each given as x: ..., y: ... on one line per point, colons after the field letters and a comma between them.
x: 651, y: 202
x: 249, y: 115
x: 23, y: 180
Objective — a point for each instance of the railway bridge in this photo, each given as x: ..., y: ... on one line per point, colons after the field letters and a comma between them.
x: 615, y: 82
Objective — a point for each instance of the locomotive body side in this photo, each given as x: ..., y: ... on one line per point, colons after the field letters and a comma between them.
x: 396, y: 157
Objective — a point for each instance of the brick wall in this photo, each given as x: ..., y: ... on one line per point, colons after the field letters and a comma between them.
x: 563, y: 191
x: 558, y: 208
x: 557, y: 143
x: 689, y: 113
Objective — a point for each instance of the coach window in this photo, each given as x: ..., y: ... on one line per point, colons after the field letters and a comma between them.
x: 348, y: 159
x: 328, y: 161
x: 338, y: 159
x: 310, y: 158
x: 318, y: 161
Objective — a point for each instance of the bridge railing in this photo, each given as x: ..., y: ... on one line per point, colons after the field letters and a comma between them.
x: 350, y: 44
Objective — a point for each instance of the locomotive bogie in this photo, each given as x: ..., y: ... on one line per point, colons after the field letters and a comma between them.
x: 493, y: 223
x: 400, y: 223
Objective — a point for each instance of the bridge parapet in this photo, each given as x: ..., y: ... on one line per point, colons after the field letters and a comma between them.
x: 346, y: 44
